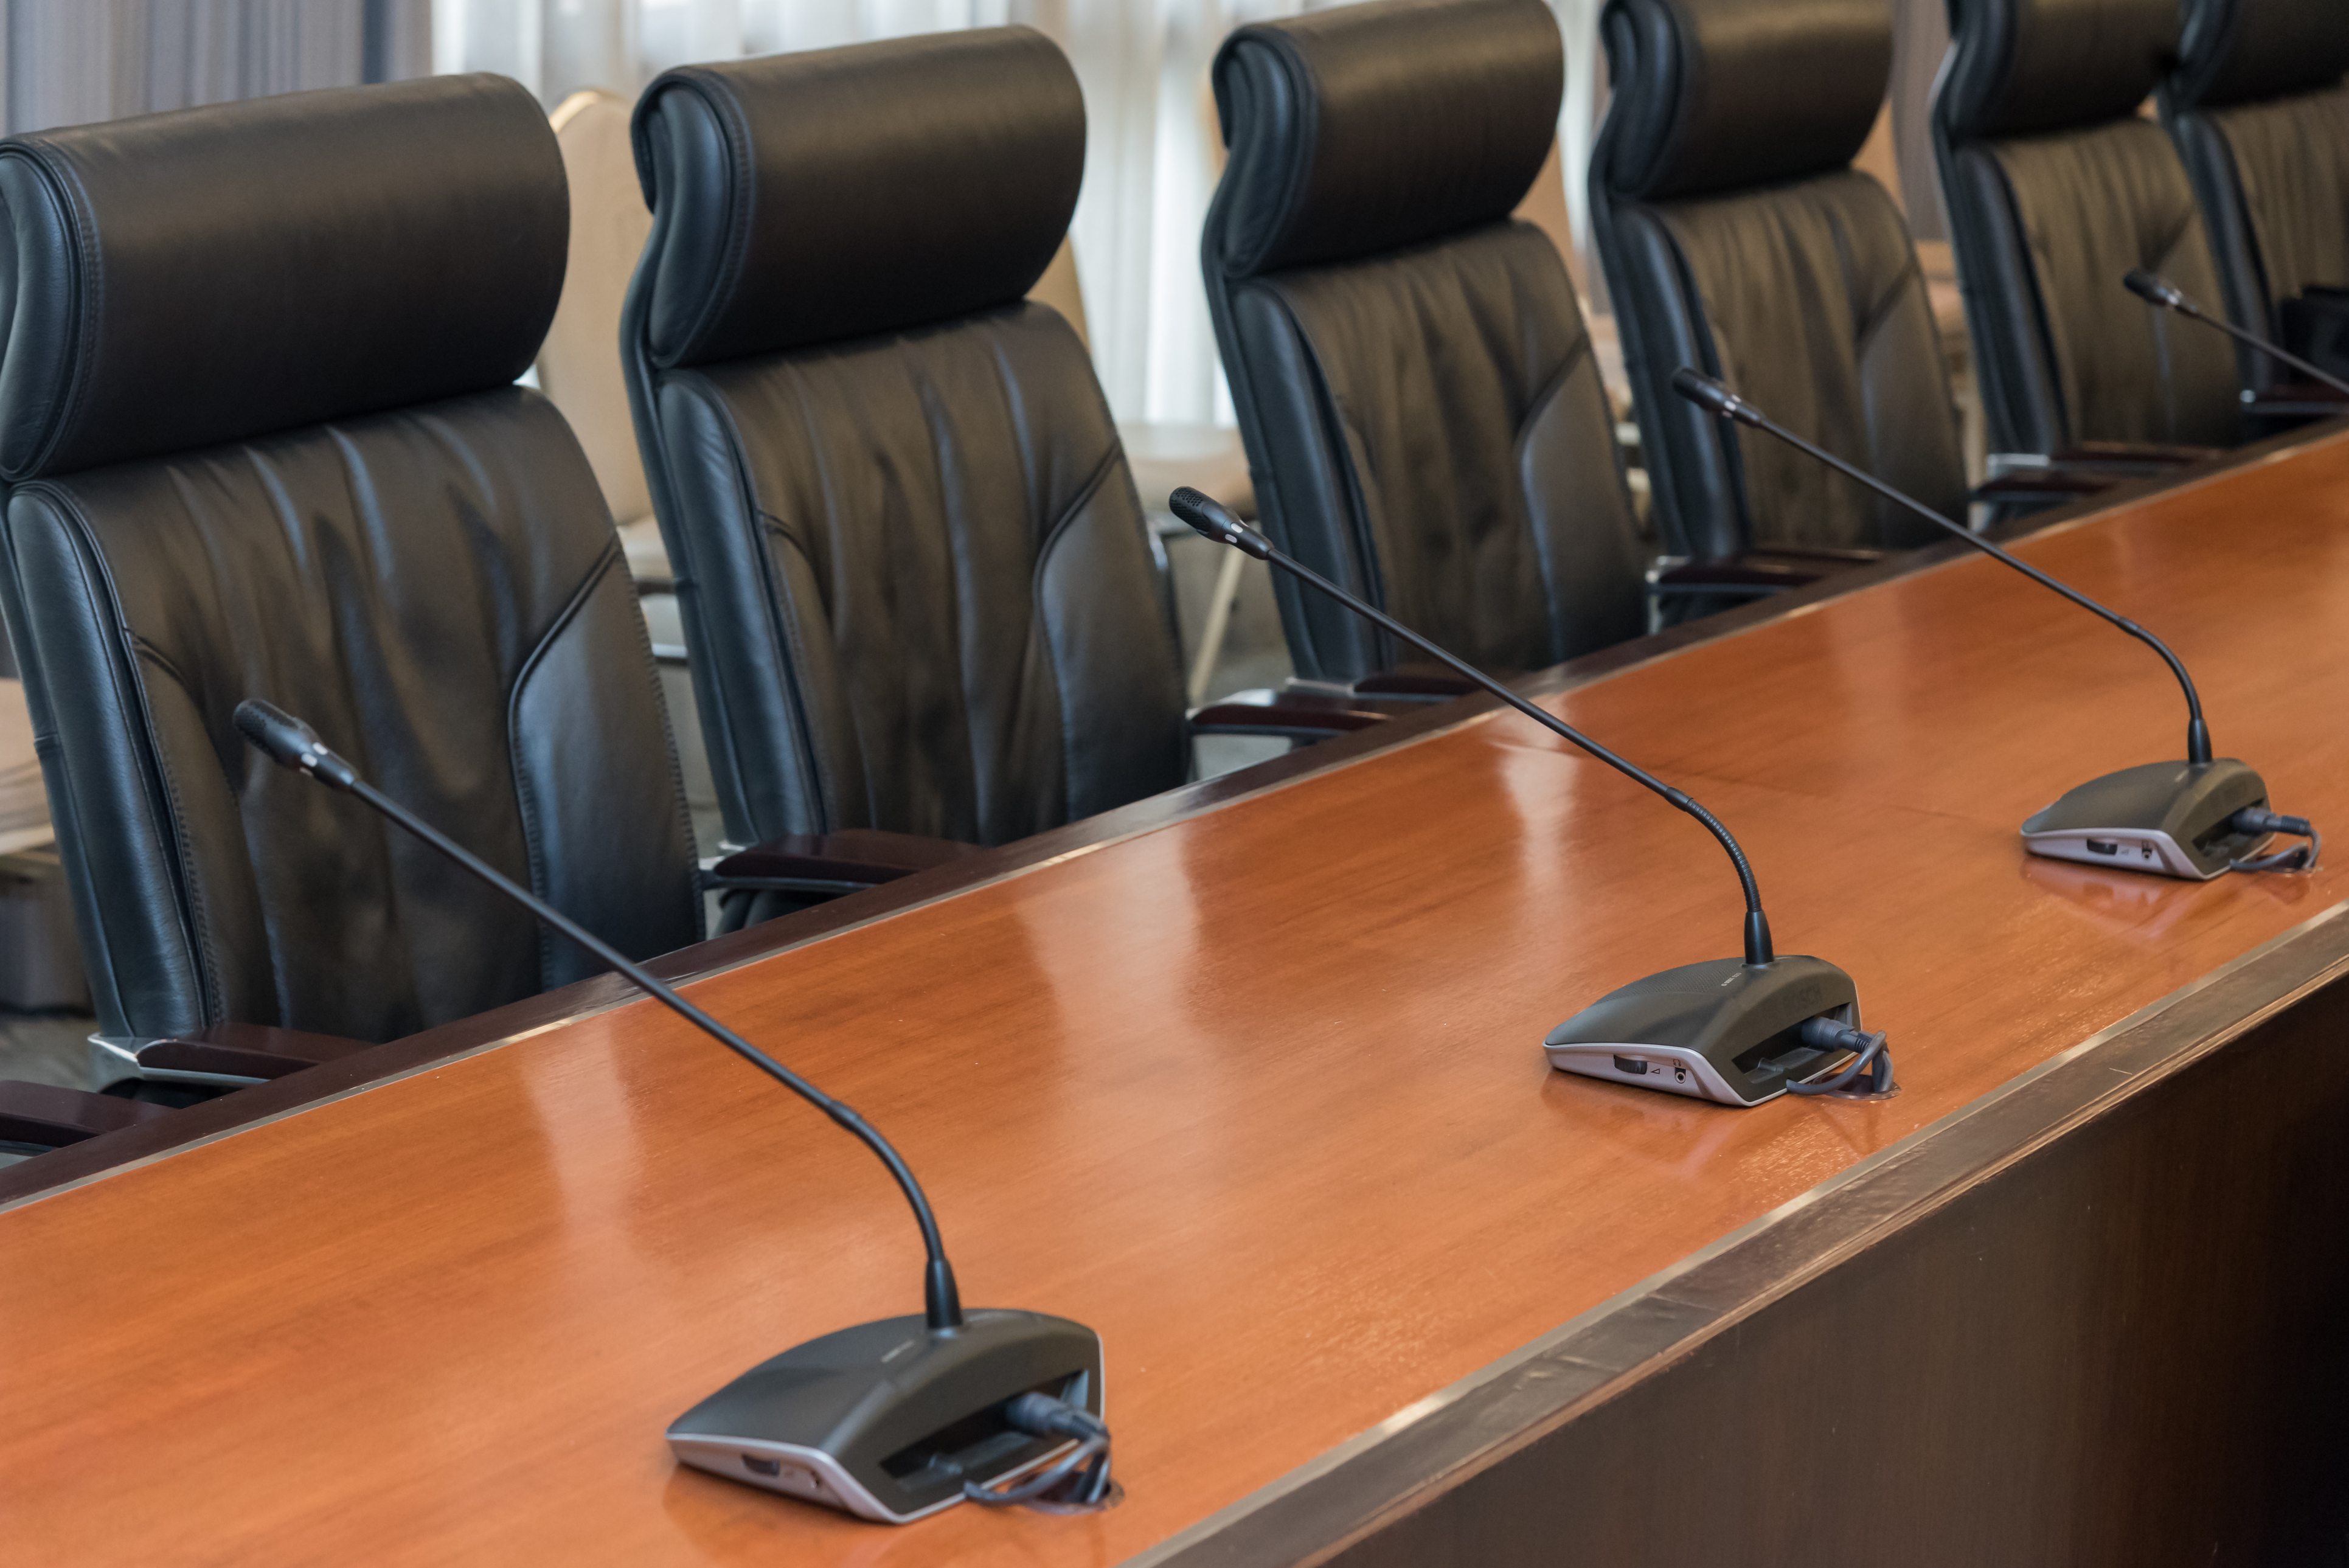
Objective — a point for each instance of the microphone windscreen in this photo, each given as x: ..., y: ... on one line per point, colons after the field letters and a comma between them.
x: 2154, y: 289
x: 1217, y: 521
x: 275, y: 733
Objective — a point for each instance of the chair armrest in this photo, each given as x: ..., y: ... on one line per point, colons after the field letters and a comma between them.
x: 2044, y: 484
x: 1763, y: 569
x: 2298, y: 399
x: 2120, y: 457
x: 231, y: 1052
x: 50, y: 1118
x: 1420, y: 683
x: 1294, y: 715
x: 844, y: 861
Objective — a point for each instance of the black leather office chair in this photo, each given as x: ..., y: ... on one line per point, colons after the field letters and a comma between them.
x: 2260, y: 112
x: 914, y: 577
x: 261, y: 440
x: 1738, y: 238
x: 2055, y: 188
x: 1414, y: 383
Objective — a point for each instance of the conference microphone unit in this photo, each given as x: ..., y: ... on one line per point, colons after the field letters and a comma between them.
x: 2195, y: 820
x: 2157, y: 290
x: 889, y: 1420
x: 1736, y: 1031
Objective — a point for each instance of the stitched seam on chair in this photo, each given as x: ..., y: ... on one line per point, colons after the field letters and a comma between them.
x: 726, y: 759
x: 1052, y: 537
x: 216, y: 1002
x: 1358, y: 527
x: 1684, y: 67
x: 1289, y: 58
x: 197, y: 922
x: 1551, y: 391
x: 783, y: 631
x: 1730, y: 444
x: 2256, y: 250
x: 723, y: 103
x: 2036, y: 304
x: 1271, y: 511
x: 87, y: 280
x: 1883, y: 310
x: 533, y: 848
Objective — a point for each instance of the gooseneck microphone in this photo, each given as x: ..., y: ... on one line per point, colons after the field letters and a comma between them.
x: 2157, y: 290
x: 1739, y: 1033
x: 889, y: 1420
x: 2197, y: 820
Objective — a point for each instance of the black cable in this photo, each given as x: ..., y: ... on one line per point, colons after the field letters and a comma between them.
x: 1078, y: 1482
x: 1871, y: 1058
x: 2299, y: 858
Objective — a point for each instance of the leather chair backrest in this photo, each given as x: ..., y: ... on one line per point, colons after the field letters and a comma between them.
x: 2056, y: 189
x: 2259, y: 111
x: 259, y: 429
x: 1738, y: 238
x: 914, y: 575
x: 1424, y: 418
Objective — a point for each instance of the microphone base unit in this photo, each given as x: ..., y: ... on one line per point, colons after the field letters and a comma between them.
x: 2166, y: 819
x: 887, y: 1420
x: 1726, y: 1031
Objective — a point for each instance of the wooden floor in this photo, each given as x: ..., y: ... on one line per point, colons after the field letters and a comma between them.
x: 1257, y: 1094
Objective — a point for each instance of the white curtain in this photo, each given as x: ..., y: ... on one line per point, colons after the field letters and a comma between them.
x: 70, y: 62
x: 1151, y: 153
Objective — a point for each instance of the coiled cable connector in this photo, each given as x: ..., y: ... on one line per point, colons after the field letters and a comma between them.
x: 1869, y: 1058
x: 2256, y: 821
x: 1078, y: 1482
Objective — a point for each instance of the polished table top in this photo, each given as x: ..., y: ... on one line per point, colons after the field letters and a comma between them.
x: 1257, y: 1093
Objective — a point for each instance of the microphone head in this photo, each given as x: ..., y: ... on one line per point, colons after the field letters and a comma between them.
x: 1713, y: 398
x: 1212, y: 518
x: 290, y: 743
x: 2154, y: 289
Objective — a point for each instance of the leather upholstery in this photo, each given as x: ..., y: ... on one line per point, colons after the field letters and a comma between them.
x: 2260, y: 113
x: 1424, y: 418
x: 1738, y: 238
x: 914, y: 575
x: 437, y: 270
x: 205, y: 513
x: 2055, y: 188
x: 938, y: 202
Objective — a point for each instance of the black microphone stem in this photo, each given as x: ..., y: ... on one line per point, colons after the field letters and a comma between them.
x: 1759, y: 949
x: 2323, y: 377
x: 940, y: 1298
x: 2198, y: 734
x: 2160, y: 293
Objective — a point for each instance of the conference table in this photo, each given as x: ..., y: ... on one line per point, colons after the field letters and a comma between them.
x: 1249, y: 1078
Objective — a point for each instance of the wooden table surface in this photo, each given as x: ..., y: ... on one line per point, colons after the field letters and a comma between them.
x: 1257, y: 1094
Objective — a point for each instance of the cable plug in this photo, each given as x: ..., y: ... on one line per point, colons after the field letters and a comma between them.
x: 1042, y: 1415
x: 1079, y: 1483
x: 1869, y: 1056
x: 2253, y: 821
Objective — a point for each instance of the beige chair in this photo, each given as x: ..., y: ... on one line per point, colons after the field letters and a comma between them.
x: 579, y: 366
x: 579, y: 371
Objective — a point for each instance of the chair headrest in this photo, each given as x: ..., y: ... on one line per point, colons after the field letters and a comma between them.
x: 2019, y: 67
x: 185, y: 279
x: 1715, y: 94
x: 2240, y: 51
x: 1362, y: 128
x: 835, y: 193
